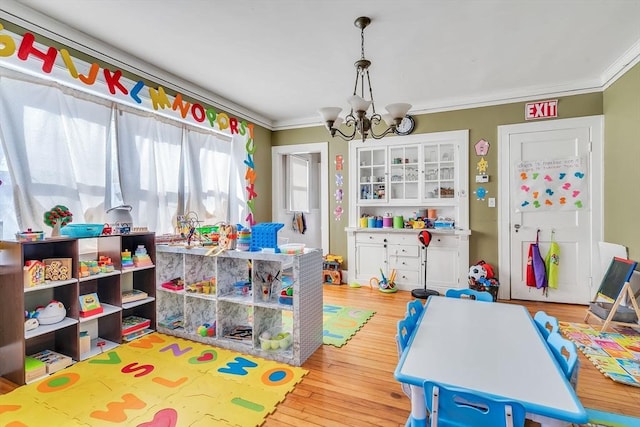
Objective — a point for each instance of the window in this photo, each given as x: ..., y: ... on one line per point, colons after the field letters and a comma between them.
x: 297, y: 182
x: 62, y: 146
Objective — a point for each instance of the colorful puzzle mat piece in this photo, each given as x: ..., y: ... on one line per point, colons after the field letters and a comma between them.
x: 339, y: 324
x: 615, y: 354
x: 156, y: 380
x: 342, y: 323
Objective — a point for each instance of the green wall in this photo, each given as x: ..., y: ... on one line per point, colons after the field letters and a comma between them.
x: 622, y: 161
x: 482, y: 124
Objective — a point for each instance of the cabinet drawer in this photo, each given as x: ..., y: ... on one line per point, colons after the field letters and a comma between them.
x: 408, y: 277
x: 380, y: 238
x: 405, y: 263
x: 444, y: 241
x: 404, y: 239
x: 404, y: 250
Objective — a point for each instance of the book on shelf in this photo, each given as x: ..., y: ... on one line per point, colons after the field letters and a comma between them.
x: 134, y: 323
x: 172, y: 322
x: 136, y: 334
x: 33, y: 369
x: 132, y: 295
x: 90, y: 305
x: 53, y: 360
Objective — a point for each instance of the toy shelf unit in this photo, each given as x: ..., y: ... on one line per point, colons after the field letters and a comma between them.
x: 89, y: 294
x: 243, y: 301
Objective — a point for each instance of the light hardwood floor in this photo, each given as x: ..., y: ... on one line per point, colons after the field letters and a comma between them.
x: 354, y: 385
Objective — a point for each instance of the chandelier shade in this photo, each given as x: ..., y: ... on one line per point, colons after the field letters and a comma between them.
x: 360, y: 122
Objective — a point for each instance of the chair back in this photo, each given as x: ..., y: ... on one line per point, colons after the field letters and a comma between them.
x: 404, y: 332
x: 469, y: 294
x: 414, y: 310
x: 546, y: 324
x: 565, y: 352
x: 454, y: 407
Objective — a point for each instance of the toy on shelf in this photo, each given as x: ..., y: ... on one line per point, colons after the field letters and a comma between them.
x: 105, y: 264
x: 33, y: 273
x: 127, y: 260
x: 88, y: 268
x: 31, y: 320
x: 202, y: 287
x: 56, y: 218
x: 141, y: 258
x: 286, y: 296
x: 29, y: 236
x: 385, y: 285
x: 207, y: 330
x: 331, y: 269
x: 132, y: 295
x: 57, y: 268
x: 172, y: 322
x: 54, y: 312
x: 176, y: 284
x: 90, y: 305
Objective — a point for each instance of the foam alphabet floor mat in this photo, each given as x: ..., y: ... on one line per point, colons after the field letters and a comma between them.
x: 157, y: 380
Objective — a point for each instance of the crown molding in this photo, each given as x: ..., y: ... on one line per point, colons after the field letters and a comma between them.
x: 620, y: 66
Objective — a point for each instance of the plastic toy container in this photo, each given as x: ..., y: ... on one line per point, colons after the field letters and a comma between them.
x: 275, y: 340
x: 82, y: 230
x: 285, y: 299
x: 30, y: 236
x: 242, y: 288
x: 292, y: 248
x: 265, y: 235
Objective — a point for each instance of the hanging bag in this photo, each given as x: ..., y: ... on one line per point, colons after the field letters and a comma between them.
x: 552, y: 262
x: 536, y: 270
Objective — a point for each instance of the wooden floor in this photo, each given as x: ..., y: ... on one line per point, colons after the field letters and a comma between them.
x: 354, y: 385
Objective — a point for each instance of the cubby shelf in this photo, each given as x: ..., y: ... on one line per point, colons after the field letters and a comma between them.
x: 64, y: 336
x: 228, y: 310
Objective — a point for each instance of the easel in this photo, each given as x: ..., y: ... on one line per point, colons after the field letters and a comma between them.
x: 615, y: 286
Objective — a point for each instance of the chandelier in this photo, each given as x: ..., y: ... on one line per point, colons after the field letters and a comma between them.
x: 358, y: 120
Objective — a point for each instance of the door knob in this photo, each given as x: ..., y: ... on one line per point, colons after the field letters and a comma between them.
x: 517, y: 227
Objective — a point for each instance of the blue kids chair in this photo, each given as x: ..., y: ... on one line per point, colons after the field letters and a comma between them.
x: 546, y: 324
x: 453, y: 407
x: 469, y: 294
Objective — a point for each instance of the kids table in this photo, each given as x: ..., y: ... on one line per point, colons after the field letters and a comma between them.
x: 491, y: 349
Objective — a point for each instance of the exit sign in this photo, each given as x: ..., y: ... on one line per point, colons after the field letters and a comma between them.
x: 541, y: 109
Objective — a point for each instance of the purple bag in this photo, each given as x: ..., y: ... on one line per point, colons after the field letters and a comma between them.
x: 536, y: 269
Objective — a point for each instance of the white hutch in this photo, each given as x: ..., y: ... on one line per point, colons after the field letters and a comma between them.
x: 407, y: 176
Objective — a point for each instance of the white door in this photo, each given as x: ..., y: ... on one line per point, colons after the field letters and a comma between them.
x: 536, y: 161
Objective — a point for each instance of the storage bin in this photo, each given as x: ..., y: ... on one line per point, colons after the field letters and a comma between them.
x: 275, y: 340
x: 292, y: 248
x: 30, y: 236
x: 82, y: 230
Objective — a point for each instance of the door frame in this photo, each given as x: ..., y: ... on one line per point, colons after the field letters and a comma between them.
x: 277, y: 178
x: 596, y: 170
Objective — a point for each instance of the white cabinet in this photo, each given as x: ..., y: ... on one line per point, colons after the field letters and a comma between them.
x: 406, y: 176
x: 447, y: 257
x: 230, y: 306
x: 372, y: 174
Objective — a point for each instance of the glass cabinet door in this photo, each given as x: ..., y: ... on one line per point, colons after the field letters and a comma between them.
x: 372, y: 177
x: 404, y: 174
x: 439, y: 171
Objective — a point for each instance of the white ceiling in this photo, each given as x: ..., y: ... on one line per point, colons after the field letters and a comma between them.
x: 277, y: 61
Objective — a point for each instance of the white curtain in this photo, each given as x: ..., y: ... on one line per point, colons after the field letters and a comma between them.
x: 63, y: 146
x: 56, y: 148
x: 150, y: 166
x: 208, y: 165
